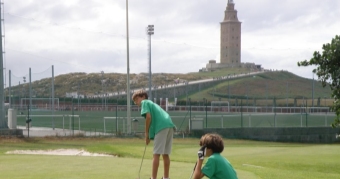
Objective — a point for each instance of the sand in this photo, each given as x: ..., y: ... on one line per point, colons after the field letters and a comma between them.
x: 70, y: 152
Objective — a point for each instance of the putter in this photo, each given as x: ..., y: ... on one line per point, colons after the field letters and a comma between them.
x: 193, y: 171
x: 141, y: 162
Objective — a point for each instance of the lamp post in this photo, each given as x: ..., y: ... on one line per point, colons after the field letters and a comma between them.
x: 23, y: 90
x: 150, y: 31
x: 3, y: 124
x: 102, y: 73
x: 313, y: 94
x: 128, y: 100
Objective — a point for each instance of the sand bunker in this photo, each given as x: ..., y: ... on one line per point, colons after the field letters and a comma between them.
x: 72, y: 152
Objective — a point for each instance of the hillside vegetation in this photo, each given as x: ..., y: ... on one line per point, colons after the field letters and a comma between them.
x: 282, y: 86
x: 97, y: 83
x: 265, y: 86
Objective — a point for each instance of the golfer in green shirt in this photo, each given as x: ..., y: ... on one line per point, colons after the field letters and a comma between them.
x: 159, y: 127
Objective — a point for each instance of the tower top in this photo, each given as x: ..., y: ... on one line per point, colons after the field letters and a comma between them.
x: 230, y: 12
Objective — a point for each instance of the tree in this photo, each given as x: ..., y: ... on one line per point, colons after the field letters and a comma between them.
x: 328, y: 71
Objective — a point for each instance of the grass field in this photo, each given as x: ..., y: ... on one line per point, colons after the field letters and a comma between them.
x: 251, y: 159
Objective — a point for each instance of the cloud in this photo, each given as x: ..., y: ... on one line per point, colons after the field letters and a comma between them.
x: 91, y: 37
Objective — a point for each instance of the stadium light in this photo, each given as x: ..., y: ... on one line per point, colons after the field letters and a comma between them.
x: 150, y: 31
x: 128, y: 95
x: 3, y: 124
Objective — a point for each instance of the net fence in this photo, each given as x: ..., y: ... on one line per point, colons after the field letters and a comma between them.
x: 32, y: 96
x: 115, y: 122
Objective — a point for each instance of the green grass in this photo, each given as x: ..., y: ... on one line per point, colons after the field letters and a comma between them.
x: 251, y: 159
x: 262, y: 86
x: 269, y: 85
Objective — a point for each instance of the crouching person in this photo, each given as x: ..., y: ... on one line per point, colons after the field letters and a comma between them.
x: 216, y: 166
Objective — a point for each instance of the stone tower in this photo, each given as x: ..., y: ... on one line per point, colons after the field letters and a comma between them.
x: 230, y: 37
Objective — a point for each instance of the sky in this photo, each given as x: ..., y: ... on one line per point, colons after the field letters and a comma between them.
x: 90, y: 35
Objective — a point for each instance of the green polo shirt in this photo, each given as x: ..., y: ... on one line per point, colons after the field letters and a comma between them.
x: 160, y: 119
x: 218, y: 167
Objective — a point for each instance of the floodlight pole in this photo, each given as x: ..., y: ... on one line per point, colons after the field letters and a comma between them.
x: 313, y: 94
x: 2, y: 109
x: 53, y: 125
x: 150, y: 31
x: 128, y: 111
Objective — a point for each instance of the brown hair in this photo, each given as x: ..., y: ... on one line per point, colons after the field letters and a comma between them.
x: 140, y: 93
x: 213, y: 142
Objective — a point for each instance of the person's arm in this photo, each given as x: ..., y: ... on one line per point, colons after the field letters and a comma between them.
x: 198, y: 173
x: 147, y: 127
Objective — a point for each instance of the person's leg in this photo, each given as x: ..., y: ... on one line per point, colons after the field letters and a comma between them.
x: 158, y: 149
x: 166, y: 161
x: 155, y: 164
x: 167, y: 151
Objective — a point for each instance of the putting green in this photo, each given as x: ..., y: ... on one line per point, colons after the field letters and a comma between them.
x: 251, y: 159
x: 86, y: 167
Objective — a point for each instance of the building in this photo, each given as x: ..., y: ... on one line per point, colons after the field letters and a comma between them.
x: 74, y: 95
x: 230, y: 42
x: 230, y: 52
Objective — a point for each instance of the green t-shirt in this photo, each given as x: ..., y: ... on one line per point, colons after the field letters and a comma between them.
x: 218, y: 167
x: 160, y: 119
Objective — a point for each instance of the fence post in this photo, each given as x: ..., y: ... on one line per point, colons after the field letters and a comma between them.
x: 249, y: 119
x: 300, y: 117
x: 274, y: 112
x: 190, y: 114
x: 306, y: 114
x: 222, y: 121
x: 206, y: 113
x: 104, y: 125
x: 241, y: 113
x: 72, y: 118
x: 117, y: 119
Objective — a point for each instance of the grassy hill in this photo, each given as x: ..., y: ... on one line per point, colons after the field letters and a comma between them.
x: 97, y: 83
x: 265, y: 86
x: 284, y: 86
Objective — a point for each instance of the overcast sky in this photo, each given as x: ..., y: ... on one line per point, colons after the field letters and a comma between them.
x: 90, y: 35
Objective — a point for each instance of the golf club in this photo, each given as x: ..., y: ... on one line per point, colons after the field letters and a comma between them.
x: 141, y: 162
x: 193, y: 170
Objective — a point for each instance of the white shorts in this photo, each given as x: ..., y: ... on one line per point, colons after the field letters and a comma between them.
x: 163, y: 141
